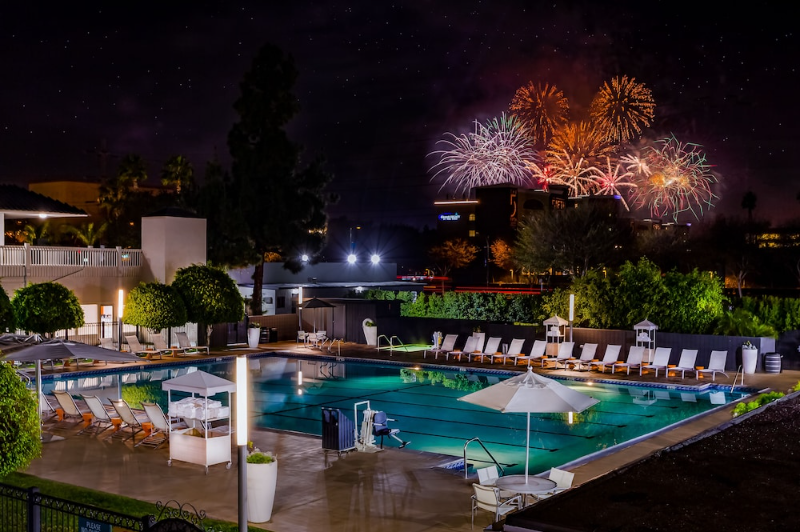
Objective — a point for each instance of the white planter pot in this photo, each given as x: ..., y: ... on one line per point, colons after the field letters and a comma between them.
x: 749, y: 360
x: 371, y: 334
x: 253, y: 336
x: 261, y: 481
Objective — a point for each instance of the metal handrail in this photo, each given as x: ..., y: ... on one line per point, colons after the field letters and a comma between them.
x: 738, y: 371
x: 390, y: 340
x: 503, y: 471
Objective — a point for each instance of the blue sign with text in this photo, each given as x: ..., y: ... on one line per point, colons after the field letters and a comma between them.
x: 87, y: 525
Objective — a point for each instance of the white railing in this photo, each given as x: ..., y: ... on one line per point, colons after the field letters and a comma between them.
x: 53, y: 261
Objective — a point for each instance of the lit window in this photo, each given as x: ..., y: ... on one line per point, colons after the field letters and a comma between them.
x: 472, y: 217
x: 472, y: 233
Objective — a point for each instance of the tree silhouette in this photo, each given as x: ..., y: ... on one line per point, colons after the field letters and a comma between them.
x: 749, y: 203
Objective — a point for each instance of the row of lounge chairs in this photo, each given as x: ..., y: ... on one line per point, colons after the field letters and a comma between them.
x: 564, y: 359
x: 185, y: 346
x: 119, y: 414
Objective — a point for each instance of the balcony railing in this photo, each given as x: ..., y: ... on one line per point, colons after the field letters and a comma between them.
x: 52, y: 261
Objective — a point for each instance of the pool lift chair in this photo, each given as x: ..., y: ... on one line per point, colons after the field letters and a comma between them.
x: 380, y: 427
x: 374, y: 423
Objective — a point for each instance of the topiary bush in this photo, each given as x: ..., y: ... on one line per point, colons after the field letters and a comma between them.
x: 20, y: 440
x: 155, y: 306
x: 210, y: 294
x: 45, y: 308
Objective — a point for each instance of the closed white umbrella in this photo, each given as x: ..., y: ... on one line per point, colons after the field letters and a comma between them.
x: 530, y: 392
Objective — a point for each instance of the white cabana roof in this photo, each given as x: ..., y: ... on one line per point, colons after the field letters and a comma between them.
x: 646, y: 325
x: 199, y: 382
x: 556, y: 320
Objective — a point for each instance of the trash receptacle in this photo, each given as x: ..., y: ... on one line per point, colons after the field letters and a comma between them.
x: 273, y: 334
x: 264, y: 336
x: 772, y: 362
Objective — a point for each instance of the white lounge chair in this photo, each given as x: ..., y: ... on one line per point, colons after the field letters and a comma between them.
x: 564, y: 352
x: 480, y: 340
x: 138, y: 350
x: 448, y: 344
x: 131, y: 423
x: 610, y: 357
x: 716, y: 365
x: 469, y: 349
x: 492, y: 349
x: 488, y: 498
x: 69, y: 406
x: 537, y: 352
x: 161, y: 345
x: 686, y: 363
x: 101, y: 419
x: 159, y: 434
x: 660, y: 360
x: 587, y: 355
x: 187, y: 345
x: 515, y: 349
x: 635, y: 356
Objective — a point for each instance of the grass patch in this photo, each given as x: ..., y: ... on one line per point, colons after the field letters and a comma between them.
x: 106, y: 501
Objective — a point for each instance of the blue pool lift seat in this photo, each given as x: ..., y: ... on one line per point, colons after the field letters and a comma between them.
x: 380, y: 427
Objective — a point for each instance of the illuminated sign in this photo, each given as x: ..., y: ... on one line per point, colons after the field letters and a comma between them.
x: 450, y: 217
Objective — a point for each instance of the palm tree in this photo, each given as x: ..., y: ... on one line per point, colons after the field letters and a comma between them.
x: 177, y: 171
x: 749, y: 203
x: 132, y: 169
x: 86, y: 233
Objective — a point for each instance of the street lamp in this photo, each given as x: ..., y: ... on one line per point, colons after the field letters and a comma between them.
x: 571, y: 313
x: 241, y: 437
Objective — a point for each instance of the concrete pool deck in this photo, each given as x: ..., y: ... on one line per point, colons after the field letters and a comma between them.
x: 392, y: 490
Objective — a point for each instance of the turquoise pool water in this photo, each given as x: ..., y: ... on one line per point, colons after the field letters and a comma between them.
x: 425, y: 406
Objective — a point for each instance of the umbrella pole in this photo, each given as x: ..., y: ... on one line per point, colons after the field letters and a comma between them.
x: 39, y: 392
x: 527, y: 446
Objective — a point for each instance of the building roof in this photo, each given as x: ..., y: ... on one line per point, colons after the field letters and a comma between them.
x: 16, y: 202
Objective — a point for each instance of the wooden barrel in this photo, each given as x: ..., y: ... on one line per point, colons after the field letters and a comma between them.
x: 772, y: 363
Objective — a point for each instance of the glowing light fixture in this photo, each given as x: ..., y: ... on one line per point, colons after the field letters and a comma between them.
x: 241, y: 400
x: 351, y: 258
x: 304, y: 258
x: 375, y: 259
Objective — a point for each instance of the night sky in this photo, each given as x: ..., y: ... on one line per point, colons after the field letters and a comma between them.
x: 381, y: 82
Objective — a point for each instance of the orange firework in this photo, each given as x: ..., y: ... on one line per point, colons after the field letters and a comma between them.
x: 542, y: 108
x: 622, y: 108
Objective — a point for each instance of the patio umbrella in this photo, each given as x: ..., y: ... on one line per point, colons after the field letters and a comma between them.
x: 60, y: 349
x: 316, y: 303
x: 530, y: 392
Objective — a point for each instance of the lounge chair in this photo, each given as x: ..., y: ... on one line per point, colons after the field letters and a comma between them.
x: 480, y: 340
x: 515, y: 349
x: 537, y: 352
x: 161, y: 345
x: 564, y: 352
x: 159, y: 434
x: 635, y: 356
x: 138, y: 350
x: 685, y: 363
x: 610, y: 358
x: 108, y: 343
x: 187, y: 346
x: 660, y: 360
x: 563, y: 480
x: 302, y: 336
x: 587, y: 355
x: 131, y: 423
x: 318, y: 339
x: 469, y: 349
x: 448, y: 344
x: 69, y: 406
x: 716, y: 365
x: 101, y: 419
x: 46, y: 407
x: 492, y: 350
x: 488, y: 498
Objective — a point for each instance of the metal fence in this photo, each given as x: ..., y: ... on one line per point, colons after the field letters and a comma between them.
x: 28, y: 510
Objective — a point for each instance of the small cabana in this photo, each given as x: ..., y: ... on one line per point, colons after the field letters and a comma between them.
x: 646, y: 337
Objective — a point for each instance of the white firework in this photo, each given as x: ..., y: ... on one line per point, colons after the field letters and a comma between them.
x: 612, y: 179
x: 498, y: 152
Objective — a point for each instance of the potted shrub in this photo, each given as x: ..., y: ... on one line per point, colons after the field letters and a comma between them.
x: 262, y: 476
x: 749, y: 357
x: 253, y: 335
x: 370, y: 332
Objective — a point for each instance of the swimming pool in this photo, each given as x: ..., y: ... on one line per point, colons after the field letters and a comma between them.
x: 424, y: 404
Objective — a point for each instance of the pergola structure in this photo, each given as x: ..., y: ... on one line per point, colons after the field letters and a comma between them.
x: 18, y: 203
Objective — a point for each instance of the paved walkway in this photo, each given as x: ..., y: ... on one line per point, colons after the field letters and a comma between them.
x: 393, y: 490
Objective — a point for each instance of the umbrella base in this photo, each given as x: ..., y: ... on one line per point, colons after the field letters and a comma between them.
x: 48, y: 438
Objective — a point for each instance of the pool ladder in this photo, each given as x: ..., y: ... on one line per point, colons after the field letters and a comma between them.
x: 390, y: 341
x: 466, y: 444
x: 738, y: 372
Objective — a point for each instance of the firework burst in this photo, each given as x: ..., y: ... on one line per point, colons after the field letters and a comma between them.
x: 671, y: 178
x: 542, y: 108
x: 579, y: 141
x: 497, y: 152
x: 612, y: 179
x: 622, y: 108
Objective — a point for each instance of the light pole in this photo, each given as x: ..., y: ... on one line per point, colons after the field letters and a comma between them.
x: 571, y: 313
x: 120, y: 300
x: 241, y: 437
